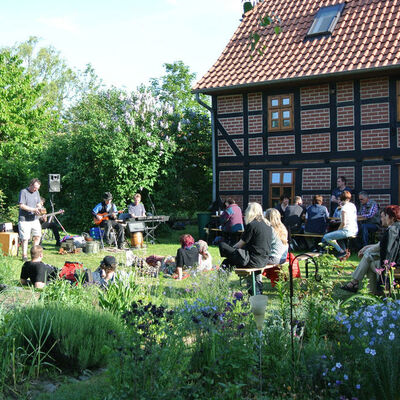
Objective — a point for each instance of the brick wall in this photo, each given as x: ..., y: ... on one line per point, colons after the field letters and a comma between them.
x: 348, y: 173
x: 314, y: 119
x: 233, y: 126
x: 256, y: 179
x: 376, y: 177
x: 377, y: 113
x: 374, y: 87
x: 383, y: 200
x: 317, y: 142
x: 256, y: 198
x: 344, y: 91
x: 254, y: 102
x: 230, y: 180
x: 281, y: 145
x: 345, y: 116
x: 316, y: 179
x: 256, y: 146
x: 345, y: 141
x: 224, y: 150
x: 375, y: 139
x: 229, y: 104
x: 314, y: 95
x: 255, y: 124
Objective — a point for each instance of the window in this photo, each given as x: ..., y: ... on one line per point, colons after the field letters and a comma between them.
x: 398, y: 100
x: 280, y: 112
x: 280, y: 183
x: 325, y: 20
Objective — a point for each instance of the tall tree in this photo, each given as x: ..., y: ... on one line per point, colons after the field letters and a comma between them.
x: 25, y: 123
x: 61, y: 85
x: 115, y: 142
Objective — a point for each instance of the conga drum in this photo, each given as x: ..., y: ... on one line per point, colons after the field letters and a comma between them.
x: 137, y: 239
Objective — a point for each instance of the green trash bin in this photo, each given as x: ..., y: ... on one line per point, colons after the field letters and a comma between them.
x: 202, y: 220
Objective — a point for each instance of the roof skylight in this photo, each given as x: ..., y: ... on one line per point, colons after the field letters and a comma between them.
x: 325, y: 20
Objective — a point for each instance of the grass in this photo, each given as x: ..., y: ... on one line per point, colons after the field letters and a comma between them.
x: 167, y: 244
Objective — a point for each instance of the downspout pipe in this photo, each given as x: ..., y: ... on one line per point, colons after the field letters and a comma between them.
x: 213, y: 155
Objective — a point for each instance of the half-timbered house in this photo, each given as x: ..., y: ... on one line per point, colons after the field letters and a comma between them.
x: 321, y: 101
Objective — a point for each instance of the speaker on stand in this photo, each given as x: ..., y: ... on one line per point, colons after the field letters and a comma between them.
x: 54, y: 183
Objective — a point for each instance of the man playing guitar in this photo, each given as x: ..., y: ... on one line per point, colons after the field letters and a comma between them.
x: 47, y: 223
x: 105, y: 215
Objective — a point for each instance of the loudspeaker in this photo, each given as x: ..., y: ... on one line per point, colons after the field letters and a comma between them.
x: 54, y: 183
x: 136, y: 227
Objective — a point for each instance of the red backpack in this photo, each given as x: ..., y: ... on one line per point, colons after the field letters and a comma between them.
x: 69, y: 269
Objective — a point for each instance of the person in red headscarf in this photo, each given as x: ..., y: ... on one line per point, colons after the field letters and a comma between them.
x: 187, y: 255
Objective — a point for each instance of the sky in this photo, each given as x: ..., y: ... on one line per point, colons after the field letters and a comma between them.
x: 126, y: 41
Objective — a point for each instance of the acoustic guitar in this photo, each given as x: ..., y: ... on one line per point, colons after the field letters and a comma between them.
x: 104, y: 217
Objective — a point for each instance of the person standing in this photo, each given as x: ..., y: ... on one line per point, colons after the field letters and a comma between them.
x: 105, y: 213
x: 335, y: 198
x: 28, y: 218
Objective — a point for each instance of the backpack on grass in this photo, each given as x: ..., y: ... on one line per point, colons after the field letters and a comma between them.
x: 74, y: 272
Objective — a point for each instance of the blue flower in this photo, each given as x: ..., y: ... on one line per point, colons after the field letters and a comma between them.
x: 345, y: 377
x: 338, y: 365
x: 358, y: 386
x: 372, y: 352
x: 379, y: 331
x: 391, y: 336
x: 367, y: 350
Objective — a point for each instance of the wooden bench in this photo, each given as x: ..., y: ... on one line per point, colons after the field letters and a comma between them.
x: 245, y: 272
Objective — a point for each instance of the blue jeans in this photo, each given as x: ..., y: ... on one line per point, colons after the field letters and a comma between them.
x: 365, y: 229
x: 331, y: 238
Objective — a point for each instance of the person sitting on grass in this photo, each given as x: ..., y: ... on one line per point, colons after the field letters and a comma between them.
x: 187, y: 255
x: 36, y: 272
x: 205, y: 259
x: 348, y: 226
x: 375, y: 255
x: 104, y: 275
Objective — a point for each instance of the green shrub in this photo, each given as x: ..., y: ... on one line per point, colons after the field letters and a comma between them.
x: 62, y: 336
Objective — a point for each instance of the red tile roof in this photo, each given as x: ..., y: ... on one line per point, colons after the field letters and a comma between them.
x: 367, y: 36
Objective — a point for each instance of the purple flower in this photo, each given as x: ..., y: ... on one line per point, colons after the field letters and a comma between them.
x: 238, y: 295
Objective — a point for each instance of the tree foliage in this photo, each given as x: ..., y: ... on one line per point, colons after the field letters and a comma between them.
x: 186, y: 187
x: 114, y: 142
x: 26, y: 123
x: 61, y: 85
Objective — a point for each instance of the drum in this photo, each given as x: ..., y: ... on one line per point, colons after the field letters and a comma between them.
x: 137, y: 239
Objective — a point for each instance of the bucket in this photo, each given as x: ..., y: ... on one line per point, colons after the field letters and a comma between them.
x: 258, y: 304
x: 137, y: 239
x: 91, y: 247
